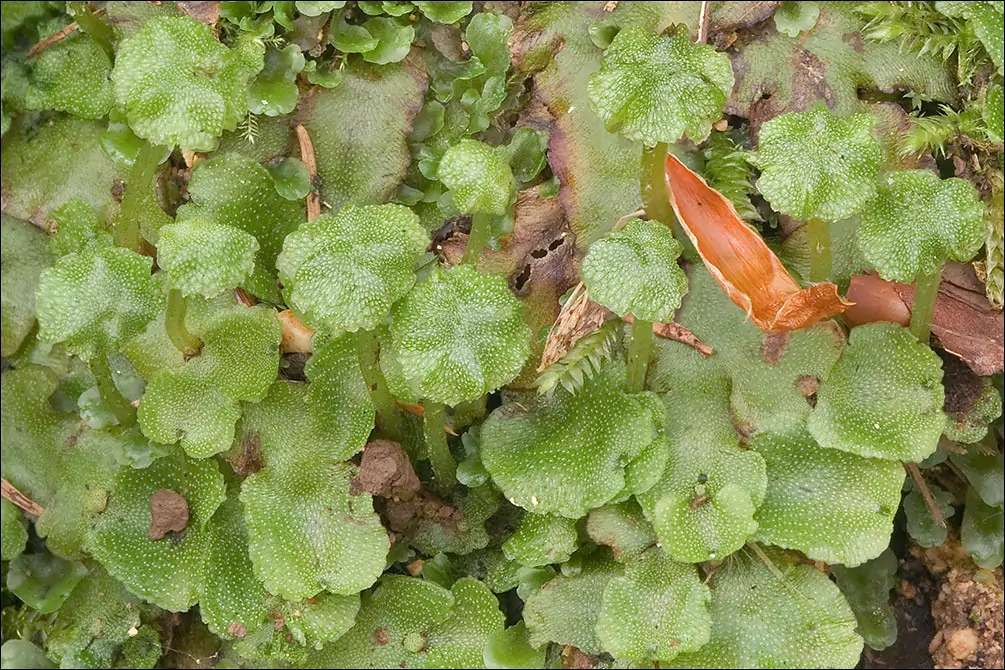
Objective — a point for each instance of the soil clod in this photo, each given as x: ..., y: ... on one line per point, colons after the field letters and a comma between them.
x: 168, y: 514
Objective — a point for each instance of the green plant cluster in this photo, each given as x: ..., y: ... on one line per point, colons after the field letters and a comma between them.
x: 277, y: 278
x: 969, y: 36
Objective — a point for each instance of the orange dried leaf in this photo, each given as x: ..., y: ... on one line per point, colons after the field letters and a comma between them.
x: 741, y: 262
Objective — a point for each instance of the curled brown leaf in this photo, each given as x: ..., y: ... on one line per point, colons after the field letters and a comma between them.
x: 875, y: 300
x: 741, y: 262
x: 579, y: 317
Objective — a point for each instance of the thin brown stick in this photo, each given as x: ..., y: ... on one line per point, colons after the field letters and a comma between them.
x: 244, y: 298
x: 41, y: 46
x: 623, y: 221
x: 678, y: 333
x: 310, y: 162
x: 65, y: 32
x: 21, y: 500
x: 706, y: 20
x: 768, y: 563
x: 919, y: 481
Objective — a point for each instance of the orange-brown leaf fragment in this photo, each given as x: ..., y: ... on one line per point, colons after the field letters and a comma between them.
x: 875, y: 300
x: 168, y: 513
x: 749, y: 272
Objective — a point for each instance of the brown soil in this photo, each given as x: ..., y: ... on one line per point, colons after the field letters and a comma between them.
x: 949, y: 612
x: 168, y: 513
x: 963, y: 387
x: 386, y: 471
x: 968, y: 610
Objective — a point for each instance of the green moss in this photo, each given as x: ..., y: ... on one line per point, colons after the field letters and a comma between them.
x: 25, y: 258
x: 763, y: 620
x: 634, y: 271
x: 344, y: 272
x: 166, y: 571
x: 883, y: 398
x: 179, y: 85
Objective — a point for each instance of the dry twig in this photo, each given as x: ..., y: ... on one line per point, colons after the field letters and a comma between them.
x: 706, y: 20
x: 310, y: 162
x: 59, y: 36
x: 244, y: 298
x: 678, y: 333
x: 21, y: 500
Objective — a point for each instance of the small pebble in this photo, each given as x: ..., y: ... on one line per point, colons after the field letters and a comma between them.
x: 962, y: 643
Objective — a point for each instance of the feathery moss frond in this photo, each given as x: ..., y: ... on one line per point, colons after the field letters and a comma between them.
x: 582, y: 362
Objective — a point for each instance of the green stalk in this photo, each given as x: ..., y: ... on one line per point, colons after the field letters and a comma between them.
x: 388, y: 417
x: 138, y: 197
x: 819, y: 240
x: 925, y: 292
x: 121, y: 408
x: 435, y: 431
x: 656, y: 196
x: 174, y: 324
x: 99, y: 31
x: 639, y: 349
x: 481, y: 230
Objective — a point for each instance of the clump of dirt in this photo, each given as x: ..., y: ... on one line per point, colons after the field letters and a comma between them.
x: 968, y: 611
x: 168, y: 513
x: 401, y: 514
x: 386, y: 471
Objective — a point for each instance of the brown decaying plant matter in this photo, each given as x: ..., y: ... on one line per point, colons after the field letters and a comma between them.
x: 741, y: 262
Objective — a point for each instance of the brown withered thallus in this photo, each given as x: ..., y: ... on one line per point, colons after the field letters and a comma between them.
x: 741, y: 262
